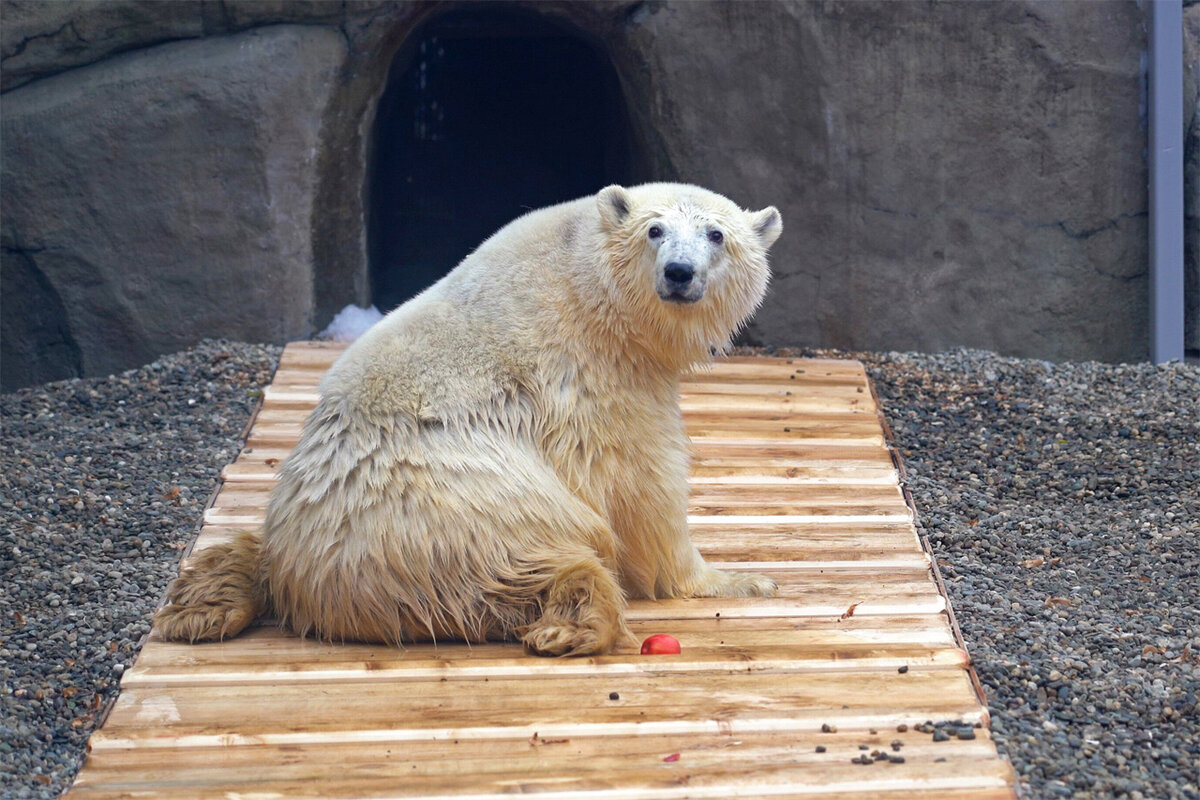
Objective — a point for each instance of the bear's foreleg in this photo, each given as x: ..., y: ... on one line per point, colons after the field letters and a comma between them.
x: 658, y: 558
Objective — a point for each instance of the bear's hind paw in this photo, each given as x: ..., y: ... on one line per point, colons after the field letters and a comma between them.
x: 565, y: 638
x: 201, y: 623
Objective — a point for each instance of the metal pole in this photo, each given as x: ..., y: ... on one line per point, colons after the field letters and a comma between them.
x: 1166, y: 180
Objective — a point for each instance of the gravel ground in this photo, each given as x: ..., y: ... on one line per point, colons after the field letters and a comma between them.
x: 1062, y: 502
x: 102, y: 484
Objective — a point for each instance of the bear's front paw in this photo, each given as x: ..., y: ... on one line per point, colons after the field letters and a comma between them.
x: 736, y: 584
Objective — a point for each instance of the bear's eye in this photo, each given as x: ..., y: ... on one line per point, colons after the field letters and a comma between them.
x: 655, y: 232
x: 716, y: 237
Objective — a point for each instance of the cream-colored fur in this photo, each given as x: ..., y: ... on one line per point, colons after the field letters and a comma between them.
x: 504, y: 455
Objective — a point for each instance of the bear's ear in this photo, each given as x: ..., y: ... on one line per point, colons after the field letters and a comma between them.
x: 614, y: 204
x: 767, y: 224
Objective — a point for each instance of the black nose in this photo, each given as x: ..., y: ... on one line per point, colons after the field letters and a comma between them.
x: 679, y: 273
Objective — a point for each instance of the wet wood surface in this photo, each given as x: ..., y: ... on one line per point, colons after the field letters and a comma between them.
x: 775, y: 697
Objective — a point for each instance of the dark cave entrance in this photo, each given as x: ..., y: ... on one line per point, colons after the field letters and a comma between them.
x: 486, y: 115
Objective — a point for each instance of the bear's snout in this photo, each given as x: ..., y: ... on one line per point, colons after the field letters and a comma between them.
x: 679, y: 284
x: 679, y: 274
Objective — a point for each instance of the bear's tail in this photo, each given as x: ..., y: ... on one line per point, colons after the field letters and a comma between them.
x: 217, y: 595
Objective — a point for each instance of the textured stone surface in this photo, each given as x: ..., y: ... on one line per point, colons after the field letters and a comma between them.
x: 167, y: 194
x: 950, y: 174
x: 40, y: 38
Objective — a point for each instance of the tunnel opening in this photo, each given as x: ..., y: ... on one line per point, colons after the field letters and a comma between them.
x: 486, y: 115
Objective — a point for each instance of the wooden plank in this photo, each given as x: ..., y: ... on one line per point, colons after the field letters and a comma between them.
x: 757, y: 761
x: 802, y: 453
x: 311, y: 355
x: 716, y: 461
x: 791, y: 478
x: 584, y: 753
x: 780, y: 494
x: 270, y: 644
x: 562, y: 706
x: 281, y: 436
x: 306, y: 383
x: 804, y: 593
x: 282, y: 425
x: 700, y: 513
x: 267, y: 655
x: 511, y: 661
x: 678, y: 787
x: 813, y: 546
x: 755, y: 404
x: 319, y: 356
x: 244, y: 503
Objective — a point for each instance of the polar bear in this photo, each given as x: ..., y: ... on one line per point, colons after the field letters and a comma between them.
x: 503, y: 456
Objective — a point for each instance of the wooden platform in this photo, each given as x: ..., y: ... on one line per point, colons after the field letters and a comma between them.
x: 793, y: 478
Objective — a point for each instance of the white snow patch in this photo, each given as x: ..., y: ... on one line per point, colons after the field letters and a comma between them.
x: 350, y: 323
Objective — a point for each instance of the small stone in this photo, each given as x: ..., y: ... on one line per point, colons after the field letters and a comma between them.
x: 614, y: 696
x: 820, y: 748
x: 940, y: 735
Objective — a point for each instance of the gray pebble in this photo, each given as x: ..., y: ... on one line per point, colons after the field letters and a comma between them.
x: 85, y: 466
x: 1062, y: 502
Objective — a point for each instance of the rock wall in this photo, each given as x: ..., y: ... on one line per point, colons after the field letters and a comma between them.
x: 950, y: 174
x: 164, y: 195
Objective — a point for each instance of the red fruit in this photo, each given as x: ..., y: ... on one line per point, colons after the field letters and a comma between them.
x: 660, y: 644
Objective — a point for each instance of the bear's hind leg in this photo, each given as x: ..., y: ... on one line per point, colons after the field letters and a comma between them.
x: 582, y: 609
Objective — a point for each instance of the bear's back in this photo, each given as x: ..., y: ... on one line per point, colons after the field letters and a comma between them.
x: 476, y: 336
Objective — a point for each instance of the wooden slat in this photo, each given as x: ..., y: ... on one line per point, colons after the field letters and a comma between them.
x: 580, y: 765
x: 821, y: 547
x: 708, y: 388
x: 791, y: 478
x: 781, y: 498
x: 728, y: 701
x: 716, y: 461
x: 811, y: 644
x: 756, y: 405
x: 586, y: 754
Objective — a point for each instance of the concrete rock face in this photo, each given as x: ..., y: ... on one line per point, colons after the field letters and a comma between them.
x: 950, y: 174
x: 164, y: 195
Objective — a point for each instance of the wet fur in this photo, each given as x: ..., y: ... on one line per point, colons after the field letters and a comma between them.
x: 503, y: 456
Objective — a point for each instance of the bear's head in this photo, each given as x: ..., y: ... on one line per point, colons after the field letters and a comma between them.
x: 689, y: 265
